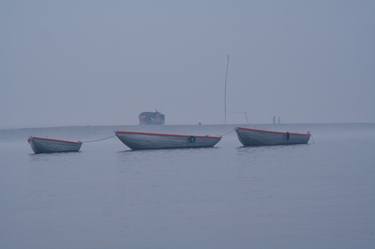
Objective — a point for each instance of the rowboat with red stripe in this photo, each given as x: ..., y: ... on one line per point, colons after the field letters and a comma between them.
x: 52, y: 145
x: 258, y: 137
x: 150, y: 140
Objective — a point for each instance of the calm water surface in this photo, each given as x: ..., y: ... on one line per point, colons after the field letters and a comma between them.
x: 320, y: 195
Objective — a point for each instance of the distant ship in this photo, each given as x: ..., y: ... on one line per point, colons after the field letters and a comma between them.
x: 151, y: 118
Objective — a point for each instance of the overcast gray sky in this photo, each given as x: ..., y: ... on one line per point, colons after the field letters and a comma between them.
x: 104, y: 62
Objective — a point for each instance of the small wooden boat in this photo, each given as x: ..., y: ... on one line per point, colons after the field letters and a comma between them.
x: 147, y: 141
x: 256, y: 137
x: 48, y: 145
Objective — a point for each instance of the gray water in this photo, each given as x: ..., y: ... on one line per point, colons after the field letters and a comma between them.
x: 320, y: 195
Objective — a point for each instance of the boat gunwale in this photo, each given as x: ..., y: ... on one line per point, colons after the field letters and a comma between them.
x: 274, y: 132
x: 53, y: 140
x: 164, y: 134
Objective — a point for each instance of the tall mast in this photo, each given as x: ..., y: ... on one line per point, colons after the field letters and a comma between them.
x: 225, y: 89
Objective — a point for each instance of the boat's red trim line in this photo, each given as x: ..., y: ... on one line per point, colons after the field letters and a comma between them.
x: 54, y: 140
x: 274, y: 132
x: 162, y: 134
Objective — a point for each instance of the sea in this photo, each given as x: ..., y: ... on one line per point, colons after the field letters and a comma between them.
x: 319, y: 195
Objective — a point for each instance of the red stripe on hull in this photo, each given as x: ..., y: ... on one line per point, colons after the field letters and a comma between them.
x: 274, y: 132
x: 162, y: 134
x: 54, y: 140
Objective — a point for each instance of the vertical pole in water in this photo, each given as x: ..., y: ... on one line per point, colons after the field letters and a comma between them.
x: 246, y: 118
x: 225, y: 89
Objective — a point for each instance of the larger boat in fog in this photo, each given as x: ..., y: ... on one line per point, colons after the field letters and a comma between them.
x: 151, y: 118
x: 256, y: 137
x: 49, y: 145
x: 147, y: 141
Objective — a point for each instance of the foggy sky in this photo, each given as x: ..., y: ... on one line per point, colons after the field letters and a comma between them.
x: 104, y: 62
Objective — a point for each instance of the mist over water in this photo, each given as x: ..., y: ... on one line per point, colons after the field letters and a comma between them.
x: 320, y: 195
x: 81, y: 66
x: 92, y: 62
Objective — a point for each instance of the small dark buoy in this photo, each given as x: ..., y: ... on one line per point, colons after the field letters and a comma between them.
x: 191, y: 139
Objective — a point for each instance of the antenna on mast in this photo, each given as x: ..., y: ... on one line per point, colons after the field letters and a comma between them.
x: 225, y: 88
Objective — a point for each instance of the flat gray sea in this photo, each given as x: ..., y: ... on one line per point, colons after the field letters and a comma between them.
x: 320, y: 195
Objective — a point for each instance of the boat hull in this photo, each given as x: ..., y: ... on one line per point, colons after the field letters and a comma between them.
x: 255, y: 137
x: 47, y: 145
x: 149, y: 141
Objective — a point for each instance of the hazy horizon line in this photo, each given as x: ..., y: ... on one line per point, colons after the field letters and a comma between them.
x: 195, y: 124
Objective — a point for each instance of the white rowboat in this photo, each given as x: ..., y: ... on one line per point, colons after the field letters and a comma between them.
x: 48, y: 145
x: 256, y: 137
x: 147, y: 141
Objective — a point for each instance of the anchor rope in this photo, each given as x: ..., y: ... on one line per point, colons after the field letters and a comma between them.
x: 112, y: 136
x: 229, y: 131
x: 98, y: 140
x: 312, y: 139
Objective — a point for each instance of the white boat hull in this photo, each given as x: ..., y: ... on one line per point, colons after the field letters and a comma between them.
x: 147, y: 141
x: 255, y: 137
x: 47, y: 145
